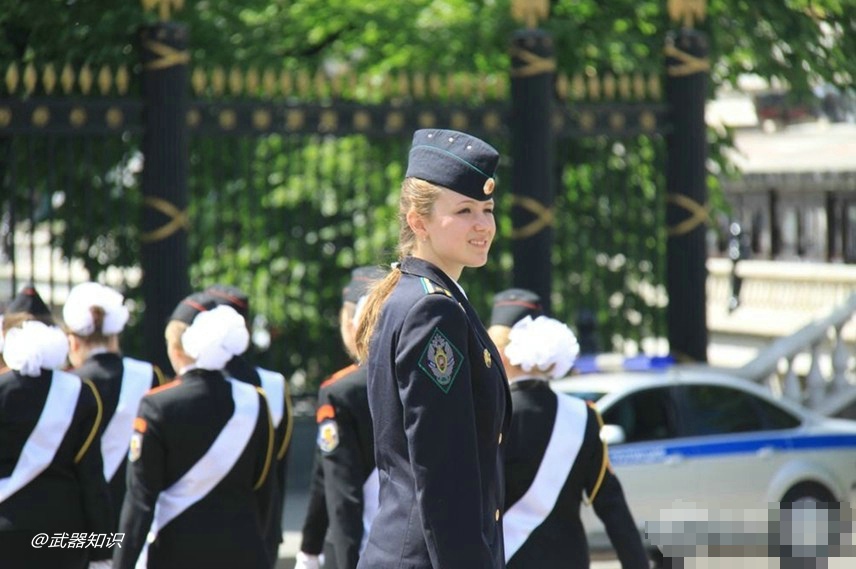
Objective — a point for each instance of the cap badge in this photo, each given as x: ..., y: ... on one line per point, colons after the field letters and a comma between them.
x: 489, y: 186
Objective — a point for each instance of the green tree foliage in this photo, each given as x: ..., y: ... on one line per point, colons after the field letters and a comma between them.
x: 287, y: 217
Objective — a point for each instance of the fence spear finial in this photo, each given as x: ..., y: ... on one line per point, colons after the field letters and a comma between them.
x: 164, y: 7
x: 530, y: 12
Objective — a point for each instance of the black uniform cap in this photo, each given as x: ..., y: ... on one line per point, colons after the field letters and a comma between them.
x: 231, y: 296
x: 454, y: 160
x: 513, y: 305
x: 29, y: 301
x: 361, y: 279
x: 192, y: 305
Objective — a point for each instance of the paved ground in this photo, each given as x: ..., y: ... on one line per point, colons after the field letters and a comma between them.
x: 293, y: 519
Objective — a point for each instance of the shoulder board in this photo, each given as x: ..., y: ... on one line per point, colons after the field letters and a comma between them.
x: 164, y: 387
x: 338, y: 375
x: 430, y: 288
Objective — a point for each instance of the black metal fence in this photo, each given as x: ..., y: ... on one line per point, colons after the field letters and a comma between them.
x: 289, y: 180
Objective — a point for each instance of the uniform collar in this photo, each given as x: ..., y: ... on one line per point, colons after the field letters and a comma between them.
x: 422, y: 268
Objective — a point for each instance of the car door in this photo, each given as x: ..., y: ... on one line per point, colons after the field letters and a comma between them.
x: 650, y: 473
x: 737, y: 440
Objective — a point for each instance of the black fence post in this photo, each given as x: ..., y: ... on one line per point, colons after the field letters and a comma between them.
x: 533, y: 67
x: 687, y: 208
x: 164, y: 180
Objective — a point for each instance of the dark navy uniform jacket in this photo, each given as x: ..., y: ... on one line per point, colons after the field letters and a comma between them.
x: 560, y: 541
x: 241, y: 369
x: 314, y: 530
x: 177, y: 424
x: 346, y: 462
x: 440, y: 406
x: 70, y: 496
x: 105, y: 370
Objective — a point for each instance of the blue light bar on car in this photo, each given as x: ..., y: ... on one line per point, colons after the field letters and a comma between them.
x: 600, y: 363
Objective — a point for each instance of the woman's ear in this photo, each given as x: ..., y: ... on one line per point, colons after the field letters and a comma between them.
x: 417, y: 224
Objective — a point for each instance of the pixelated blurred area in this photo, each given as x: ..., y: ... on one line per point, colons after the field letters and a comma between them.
x: 802, y: 536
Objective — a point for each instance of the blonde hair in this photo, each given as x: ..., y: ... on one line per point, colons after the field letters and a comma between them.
x: 97, y: 337
x: 172, y: 334
x: 418, y: 196
x: 499, y: 334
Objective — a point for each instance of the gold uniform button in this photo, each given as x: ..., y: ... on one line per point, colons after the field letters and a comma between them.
x: 496, y: 516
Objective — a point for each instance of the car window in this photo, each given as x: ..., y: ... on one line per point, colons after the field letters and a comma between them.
x: 644, y: 415
x: 714, y: 410
x: 775, y: 417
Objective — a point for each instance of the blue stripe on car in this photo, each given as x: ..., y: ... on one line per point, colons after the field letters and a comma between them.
x: 655, y: 452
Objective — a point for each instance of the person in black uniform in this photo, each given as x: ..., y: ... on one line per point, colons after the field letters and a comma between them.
x: 345, y: 440
x: 356, y: 453
x: 554, y: 455
x: 51, y: 474
x: 438, y: 394
x: 314, y: 531
x: 94, y: 315
x: 278, y: 397
x: 199, y: 484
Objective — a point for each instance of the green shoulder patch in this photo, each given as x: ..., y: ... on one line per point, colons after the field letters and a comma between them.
x: 441, y: 360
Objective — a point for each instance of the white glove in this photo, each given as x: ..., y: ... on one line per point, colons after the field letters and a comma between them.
x: 103, y: 564
x: 306, y: 561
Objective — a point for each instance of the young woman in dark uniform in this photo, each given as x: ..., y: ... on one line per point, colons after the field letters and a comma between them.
x: 278, y: 396
x: 437, y: 391
x: 94, y: 315
x: 555, y: 459
x: 51, y: 474
x: 199, y: 490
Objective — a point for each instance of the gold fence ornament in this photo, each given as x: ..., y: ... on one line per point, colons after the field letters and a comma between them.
x: 530, y: 12
x: 164, y: 7
x: 178, y: 220
x: 687, y: 12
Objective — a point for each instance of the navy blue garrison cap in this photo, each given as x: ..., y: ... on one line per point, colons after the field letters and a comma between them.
x: 231, y: 296
x: 192, y: 305
x: 513, y: 305
x: 29, y: 301
x: 454, y: 160
x: 361, y: 279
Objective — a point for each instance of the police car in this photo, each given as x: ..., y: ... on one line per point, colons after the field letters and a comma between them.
x: 691, y: 439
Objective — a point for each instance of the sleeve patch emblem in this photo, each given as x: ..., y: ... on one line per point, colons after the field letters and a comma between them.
x: 136, y: 448
x: 441, y: 361
x: 328, y: 436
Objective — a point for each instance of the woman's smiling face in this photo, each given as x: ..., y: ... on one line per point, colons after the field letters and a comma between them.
x: 458, y: 233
